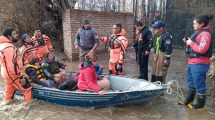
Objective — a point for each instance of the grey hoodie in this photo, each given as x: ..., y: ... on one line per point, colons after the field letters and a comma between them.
x: 86, y: 38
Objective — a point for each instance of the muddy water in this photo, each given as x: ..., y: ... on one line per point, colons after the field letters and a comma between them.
x: 159, y: 108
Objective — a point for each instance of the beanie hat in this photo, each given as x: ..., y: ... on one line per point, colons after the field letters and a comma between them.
x: 24, y: 36
x: 85, y: 21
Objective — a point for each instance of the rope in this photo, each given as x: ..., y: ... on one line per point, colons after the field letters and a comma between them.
x: 178, y: 91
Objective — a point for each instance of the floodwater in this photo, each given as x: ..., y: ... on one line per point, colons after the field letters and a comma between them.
x: 159, y: 108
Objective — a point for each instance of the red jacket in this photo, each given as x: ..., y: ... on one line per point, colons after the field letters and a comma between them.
x: 87, y: 79
x: 203, y: 41
x: 10, y: 62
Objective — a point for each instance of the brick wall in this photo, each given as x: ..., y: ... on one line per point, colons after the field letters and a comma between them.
x: 101, y: 21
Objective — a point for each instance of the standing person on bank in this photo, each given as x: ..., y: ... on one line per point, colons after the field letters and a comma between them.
x: 162, y: 44
x: 86, y: 39
x: 156, y: 17
x: 143, y: 47
x: 117, y: 48
x: 198, y: 51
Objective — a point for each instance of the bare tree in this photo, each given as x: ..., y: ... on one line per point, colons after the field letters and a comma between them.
x: 105, y: 5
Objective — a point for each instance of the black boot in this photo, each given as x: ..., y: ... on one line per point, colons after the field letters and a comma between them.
x: 140, y: 77
x: 200, y: 103
x: 110, y: 72
x: 153, y: 78
x: 190, y: 97
x: 160, y: 78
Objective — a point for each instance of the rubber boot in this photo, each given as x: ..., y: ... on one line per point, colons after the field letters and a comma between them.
x: 200, y: 103
x: 110, y: 72
x: 153, y: 78
x: 190, y: 97
x: 122, y: 74
x: 160, y: 78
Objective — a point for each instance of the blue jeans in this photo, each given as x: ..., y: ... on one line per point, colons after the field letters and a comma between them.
x: 196, y: 76
x: 50, y: 83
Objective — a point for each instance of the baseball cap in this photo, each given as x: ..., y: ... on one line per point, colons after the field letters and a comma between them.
x: 158, y: 24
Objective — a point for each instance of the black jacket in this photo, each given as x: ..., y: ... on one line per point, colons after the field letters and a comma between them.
x: 143, y: 43
x: 165, y: 44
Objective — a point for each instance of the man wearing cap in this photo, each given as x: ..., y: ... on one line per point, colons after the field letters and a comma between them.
x: 162, y: 44
x: 86, y: 39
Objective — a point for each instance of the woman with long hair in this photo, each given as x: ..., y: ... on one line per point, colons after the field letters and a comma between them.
x: 198, y: 52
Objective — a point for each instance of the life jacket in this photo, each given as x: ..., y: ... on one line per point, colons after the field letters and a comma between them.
x: 118, y: 44
x: 190, y: 53
x: 40, y: 73
x: 27, y: 53
x: 43, y: 44
x: 40, y: 41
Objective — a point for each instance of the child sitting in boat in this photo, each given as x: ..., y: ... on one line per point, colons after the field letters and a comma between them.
x: 88, y: 79
x: 36, y: 74
x: 54, y: 69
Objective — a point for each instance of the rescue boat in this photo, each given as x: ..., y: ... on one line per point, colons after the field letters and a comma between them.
x: 124, y: 90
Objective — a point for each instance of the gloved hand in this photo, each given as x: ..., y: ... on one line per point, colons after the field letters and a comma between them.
x: 119, y: 66
x: 25, y: 83
x: 51, y: 77
x: 166, y: 63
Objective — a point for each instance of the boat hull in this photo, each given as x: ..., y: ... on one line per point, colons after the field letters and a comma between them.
x: 124, y: 91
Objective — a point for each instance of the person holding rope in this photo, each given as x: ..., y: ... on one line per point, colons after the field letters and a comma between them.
x: 117, y: 47
x: 11, y: 66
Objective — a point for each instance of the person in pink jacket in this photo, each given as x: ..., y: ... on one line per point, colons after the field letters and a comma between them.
x: 198, y: 52
x: 11, y: 66
x: 88, y: 79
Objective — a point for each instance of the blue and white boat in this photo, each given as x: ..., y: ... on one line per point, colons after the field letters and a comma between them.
x: 123, y: 91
